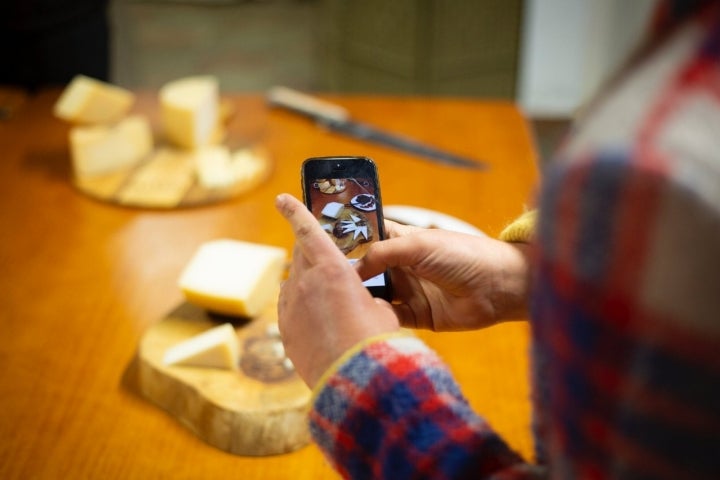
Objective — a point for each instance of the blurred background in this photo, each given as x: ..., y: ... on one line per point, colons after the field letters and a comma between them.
x: 547, y: 55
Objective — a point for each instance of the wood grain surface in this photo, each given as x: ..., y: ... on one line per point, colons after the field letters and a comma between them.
x: 260, y: 409
x: 82, y: 281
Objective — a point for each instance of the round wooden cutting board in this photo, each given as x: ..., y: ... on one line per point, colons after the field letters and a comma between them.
x: 260, y: 409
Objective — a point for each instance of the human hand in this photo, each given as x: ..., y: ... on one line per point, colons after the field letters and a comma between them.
x: 323, y: 308
x: 448, y: 281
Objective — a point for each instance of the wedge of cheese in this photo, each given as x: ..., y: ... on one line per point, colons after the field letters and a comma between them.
x: 86, y: 100
x: 190, y: 111
x: 98, y: 150
x: 214, y: 348
x: 234, y: 277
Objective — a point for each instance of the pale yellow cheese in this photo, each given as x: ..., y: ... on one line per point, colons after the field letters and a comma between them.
x: 214, y: 348
x: 190, y: 110
x: 98, y: 150
x: 86, y: 100
x: 162, y: 181
x: 248, y: 166
x: 213, y: 167
x: 217, y: 168
x: 234, y: 277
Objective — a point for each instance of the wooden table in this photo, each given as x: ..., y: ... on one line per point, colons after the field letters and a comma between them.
x: 81, y: 281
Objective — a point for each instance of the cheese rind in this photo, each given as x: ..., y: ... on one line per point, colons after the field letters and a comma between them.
x: 234, y: 277
x: 189, y: 111
x: 90, y: 101
x: 214, y: 348
x: 98, y: 150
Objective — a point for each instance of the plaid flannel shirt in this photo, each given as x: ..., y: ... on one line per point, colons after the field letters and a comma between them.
x: 625, y: 306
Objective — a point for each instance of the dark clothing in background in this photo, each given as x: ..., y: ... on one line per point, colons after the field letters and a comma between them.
x: 48, y: 42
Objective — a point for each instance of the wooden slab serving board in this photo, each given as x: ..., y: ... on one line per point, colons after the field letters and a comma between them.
x: 259, y: 410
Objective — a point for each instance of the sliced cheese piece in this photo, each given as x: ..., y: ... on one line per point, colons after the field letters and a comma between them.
x: 214, y: 348
x: 233, y: 277
x: 86, y: 100
x: 217, y: 168
x: 98, y: 150
x: 162, y: 181
x: 189, y: 110
x: 214, y: 167
x: 249, y: 167
x: 332, y: 209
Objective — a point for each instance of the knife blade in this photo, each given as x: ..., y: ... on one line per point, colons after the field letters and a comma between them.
x: 338, y: 119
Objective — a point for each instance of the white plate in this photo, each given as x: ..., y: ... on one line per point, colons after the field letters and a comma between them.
x: 421, y: 217
x: 355, y: 203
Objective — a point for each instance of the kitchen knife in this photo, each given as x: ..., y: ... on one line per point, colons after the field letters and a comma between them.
x: 338, y: 119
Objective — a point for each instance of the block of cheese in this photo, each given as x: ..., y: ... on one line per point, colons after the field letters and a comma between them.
x: 215, y: 348
x: 104, y: 149
x: 189, y: 110
x: 86, y: 100
x: 233, y: 277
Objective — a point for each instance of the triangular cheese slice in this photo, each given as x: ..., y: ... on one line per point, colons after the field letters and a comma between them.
x: 214, y: 348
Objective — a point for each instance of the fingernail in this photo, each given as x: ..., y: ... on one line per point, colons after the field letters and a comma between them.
x: 280, y: 203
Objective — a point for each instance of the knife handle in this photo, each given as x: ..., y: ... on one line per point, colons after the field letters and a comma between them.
x: 307, y: 105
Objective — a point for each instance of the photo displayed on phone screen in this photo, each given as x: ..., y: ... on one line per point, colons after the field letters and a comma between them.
x: 347, y: 210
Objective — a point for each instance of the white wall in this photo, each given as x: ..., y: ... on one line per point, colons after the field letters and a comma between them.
x: 569, y: 47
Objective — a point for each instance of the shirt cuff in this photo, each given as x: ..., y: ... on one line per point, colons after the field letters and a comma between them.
x: 351, y: 352
x: 521, y: 229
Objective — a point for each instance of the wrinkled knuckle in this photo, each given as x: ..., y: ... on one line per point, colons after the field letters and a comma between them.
x: 334, y: 272
x: 304, y: 230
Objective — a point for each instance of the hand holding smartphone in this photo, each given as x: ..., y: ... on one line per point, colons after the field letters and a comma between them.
x: 343, y: 193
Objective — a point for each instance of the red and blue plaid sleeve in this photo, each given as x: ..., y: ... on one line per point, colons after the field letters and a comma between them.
x: 394, y: 411
x: 626, y: 300
x: 626, y: 328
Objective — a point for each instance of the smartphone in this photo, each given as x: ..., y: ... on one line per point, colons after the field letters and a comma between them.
x: 344, y: 195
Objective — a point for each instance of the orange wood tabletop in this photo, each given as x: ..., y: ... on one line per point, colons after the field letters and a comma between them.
x: 82, y: 280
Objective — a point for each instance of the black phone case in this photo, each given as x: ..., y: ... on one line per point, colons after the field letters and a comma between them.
x: 348, y: 167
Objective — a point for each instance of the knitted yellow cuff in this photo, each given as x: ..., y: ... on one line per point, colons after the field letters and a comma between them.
x: 521, y: 229
x: 347, y: 355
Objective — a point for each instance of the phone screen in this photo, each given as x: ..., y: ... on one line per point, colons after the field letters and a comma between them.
x: 347, y: 205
